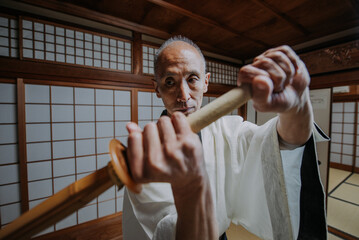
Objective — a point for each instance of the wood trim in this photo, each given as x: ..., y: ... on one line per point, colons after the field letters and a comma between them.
x: 341, y: 234
x: 242, y: 111
x: 7, y: 80
x: 345, y: 98
x: 72, y: 84
x: 334, y: 79
x: 356, y: 169
x: 206, y: 21
x: 49, y: 71
x: 20, y: 40
x: 21, y: 128
x: 218, y: 89
x: 137, y: 54
x: 344, y: 167
x: 134, y: 105
x: 75, y: 10
x: 109, y: 227
x: 355, y: 136
x: 282, y: 16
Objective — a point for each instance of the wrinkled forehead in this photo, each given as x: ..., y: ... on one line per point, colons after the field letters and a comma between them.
x: 180, y: 52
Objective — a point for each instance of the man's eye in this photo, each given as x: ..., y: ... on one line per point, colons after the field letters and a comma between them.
x: 169, y: 82
x: 192, y: 79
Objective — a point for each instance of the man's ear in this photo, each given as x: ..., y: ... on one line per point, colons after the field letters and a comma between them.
x: 206, y: 82
x: 155, y: 85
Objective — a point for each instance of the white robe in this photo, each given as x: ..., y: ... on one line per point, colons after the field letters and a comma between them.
x: 250, y: 185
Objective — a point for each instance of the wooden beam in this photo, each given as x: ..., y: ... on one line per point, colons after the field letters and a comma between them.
x: 82, y: 12
x: 335, y: 79
x: 85, y: 13
x: 206, y: 21
x: 282, y: 16
x: 10, y: 67
x: 21, y: 128
x: 137, y: 54
x: 108, y: 227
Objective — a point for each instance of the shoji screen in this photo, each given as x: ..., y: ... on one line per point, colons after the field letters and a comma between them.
x: 9, y: 45
x: 150, y: 107
x: 67, y: 134
x: 222, y: 73
x: 148, y: 57
x: 343, y: 133
x: 53, y: 42
x: 9, y: 164
x: 207, y: 99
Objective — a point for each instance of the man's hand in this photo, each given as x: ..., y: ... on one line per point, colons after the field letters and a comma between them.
x: 280, y: 83
x: 171, y: 152
x: 166, y: 152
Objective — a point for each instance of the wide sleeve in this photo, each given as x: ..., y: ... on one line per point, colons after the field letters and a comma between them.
x: 150, y: 214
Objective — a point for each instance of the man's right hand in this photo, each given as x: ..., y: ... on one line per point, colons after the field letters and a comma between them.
x: 171, y: 152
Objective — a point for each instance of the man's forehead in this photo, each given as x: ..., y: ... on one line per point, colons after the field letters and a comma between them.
x: 179, y: 50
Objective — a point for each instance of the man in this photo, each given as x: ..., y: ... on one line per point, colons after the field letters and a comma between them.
x: 238, y: 173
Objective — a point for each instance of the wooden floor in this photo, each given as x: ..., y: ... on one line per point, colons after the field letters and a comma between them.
x: 343, y: 208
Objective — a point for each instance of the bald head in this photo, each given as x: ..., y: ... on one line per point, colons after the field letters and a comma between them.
x: 172, y: 44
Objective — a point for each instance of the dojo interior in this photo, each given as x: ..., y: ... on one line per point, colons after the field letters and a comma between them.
x: 73, y: 73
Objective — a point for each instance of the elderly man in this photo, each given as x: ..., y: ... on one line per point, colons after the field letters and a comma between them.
x: 235, y: 171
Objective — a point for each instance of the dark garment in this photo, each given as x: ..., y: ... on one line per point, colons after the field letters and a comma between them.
x: 223, y: 237
x: 312, y: 224
x: 164, y: 113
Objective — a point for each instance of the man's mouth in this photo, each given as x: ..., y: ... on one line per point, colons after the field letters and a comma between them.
x: 186, y: 110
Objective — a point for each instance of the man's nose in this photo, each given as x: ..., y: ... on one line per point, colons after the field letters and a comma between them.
x: 183, y: 92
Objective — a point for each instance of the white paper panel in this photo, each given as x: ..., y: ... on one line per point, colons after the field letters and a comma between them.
x: 7, y: 93
x: 39, y: 170
x: 8, y: 154
x: 104, y: 113
x: 84, y: 113
x: 62, y: 94
x: 37, y: 93
x: 9, y: 193
x: 106, y: 208
x: 9, y: 174
x: 37, y: 113
x: 85, y: 147
x: 38, y: 151
x: 123, y: 113
x: 40, y: 189
x: 63, y: 149
x: 62, y: 113
x: 64, y: 167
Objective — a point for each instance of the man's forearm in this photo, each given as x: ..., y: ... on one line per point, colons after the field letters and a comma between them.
x: 295, y: 126
x: 196, y: 216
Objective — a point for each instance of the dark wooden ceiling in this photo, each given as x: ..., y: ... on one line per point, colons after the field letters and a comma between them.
x: 236, y: 28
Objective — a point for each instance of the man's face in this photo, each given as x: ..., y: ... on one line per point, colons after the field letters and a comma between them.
x: 180, y: 79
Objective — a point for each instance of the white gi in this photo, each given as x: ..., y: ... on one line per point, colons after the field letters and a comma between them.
x: 250, y: 185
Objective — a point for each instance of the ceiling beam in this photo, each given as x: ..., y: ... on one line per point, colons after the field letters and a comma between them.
x: 82, y: 12
x: 282, y: 16
x: 206, y: 21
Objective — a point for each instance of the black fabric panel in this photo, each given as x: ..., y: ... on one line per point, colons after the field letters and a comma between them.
x: 312, y: 202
